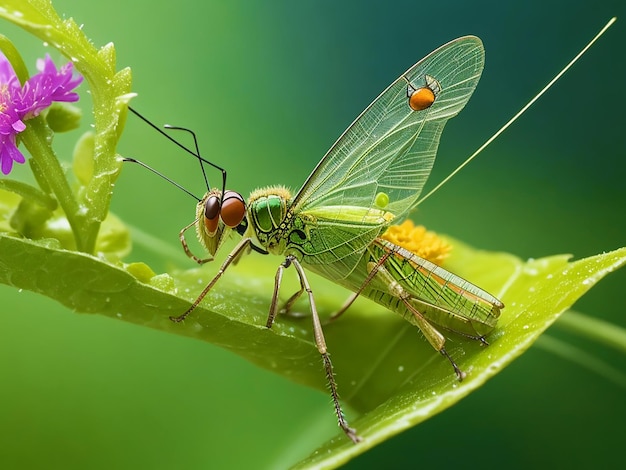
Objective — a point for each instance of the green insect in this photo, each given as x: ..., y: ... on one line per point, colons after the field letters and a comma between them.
x: 369, y: 180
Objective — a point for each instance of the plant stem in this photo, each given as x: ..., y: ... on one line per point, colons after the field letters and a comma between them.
x: 27, y: 191
x: 37, y: 138
x: 601, y: 331
x: 582, y: 358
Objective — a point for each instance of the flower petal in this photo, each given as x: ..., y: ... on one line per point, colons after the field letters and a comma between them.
x: 7, y: 74
x: 19, y: 103
x: 47, y: 86
x: 9, y: 153
x: 18, y: 126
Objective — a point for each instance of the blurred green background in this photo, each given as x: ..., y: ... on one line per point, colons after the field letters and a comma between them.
x: 268, y: 87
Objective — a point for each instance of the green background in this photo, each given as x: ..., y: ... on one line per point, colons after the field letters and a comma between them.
x: 268, y: 86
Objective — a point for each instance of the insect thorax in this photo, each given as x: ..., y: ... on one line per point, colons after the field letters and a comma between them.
x: 270, y: 218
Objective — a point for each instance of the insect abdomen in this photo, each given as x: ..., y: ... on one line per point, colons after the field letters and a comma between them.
x: 443, y: 298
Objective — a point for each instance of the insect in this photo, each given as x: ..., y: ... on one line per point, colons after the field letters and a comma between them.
x: 370, y: 179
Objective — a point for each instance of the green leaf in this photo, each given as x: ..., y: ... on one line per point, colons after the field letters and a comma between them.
x: 26, y: 212
x: 11, y: 53
x: 388, y: 375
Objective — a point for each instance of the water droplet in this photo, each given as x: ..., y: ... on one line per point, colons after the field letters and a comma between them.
x: 400, y: 368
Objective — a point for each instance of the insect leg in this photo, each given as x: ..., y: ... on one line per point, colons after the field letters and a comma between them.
x: 434, y: 337
x: 354, y: 296
x: 241, y: 246
x: 188, y: 252
x: 320, y: 342
x: 277, y: 281
x: 291, y: 300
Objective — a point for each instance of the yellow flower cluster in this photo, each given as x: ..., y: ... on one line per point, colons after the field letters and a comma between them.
x: 419, y: 241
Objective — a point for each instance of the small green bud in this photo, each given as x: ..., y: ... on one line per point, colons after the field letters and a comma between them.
x: 63, y: 117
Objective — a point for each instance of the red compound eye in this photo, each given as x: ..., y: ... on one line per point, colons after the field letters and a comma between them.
x: 211, y: 213
x: 233, y: 209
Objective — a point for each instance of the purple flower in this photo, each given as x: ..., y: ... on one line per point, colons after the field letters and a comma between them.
x: 19, y: 103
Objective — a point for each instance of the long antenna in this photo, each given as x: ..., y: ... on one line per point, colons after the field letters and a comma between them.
x: 197, y: 154
x: 182, y: 146
x: 520, y: 112
x: 169, y: 180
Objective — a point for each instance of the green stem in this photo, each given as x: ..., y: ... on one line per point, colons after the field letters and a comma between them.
x: 29, y: 192
x: 37, y: 139
x: 601, y: 331
x: 582, y: 358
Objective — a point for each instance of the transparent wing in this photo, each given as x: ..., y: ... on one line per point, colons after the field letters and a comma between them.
x: 388, y: 149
